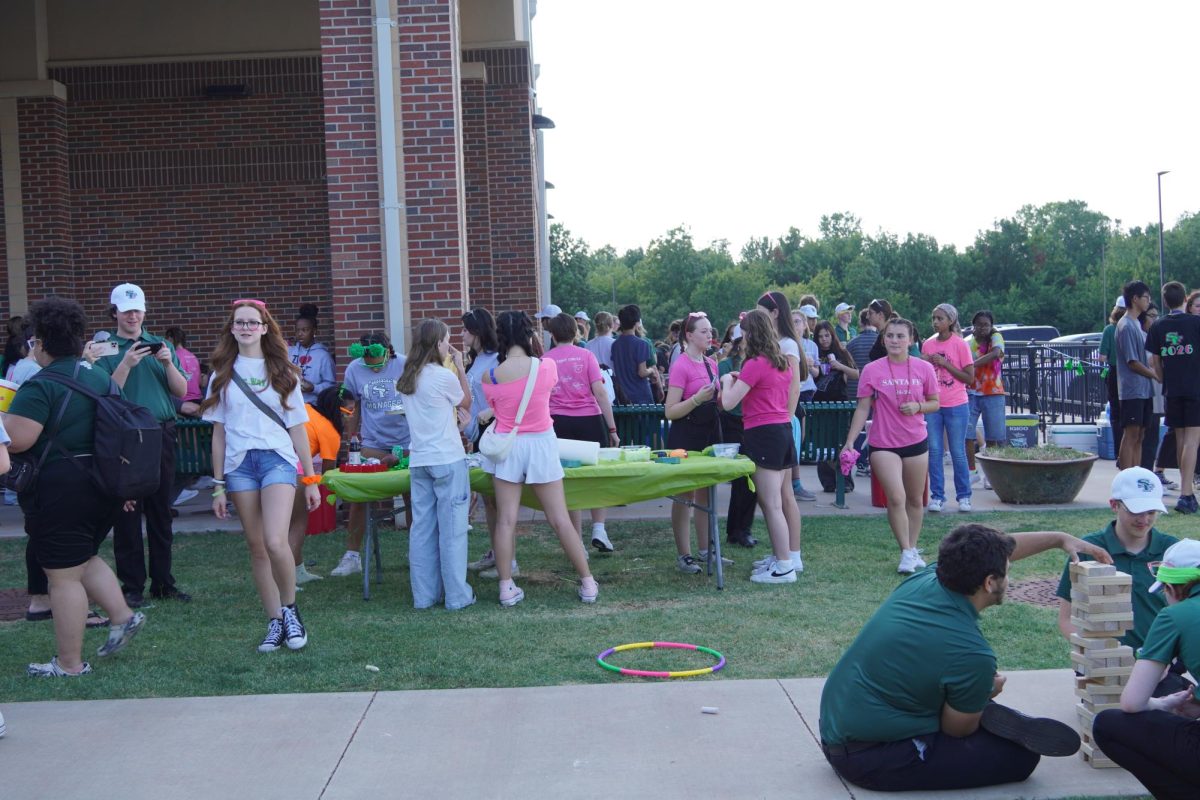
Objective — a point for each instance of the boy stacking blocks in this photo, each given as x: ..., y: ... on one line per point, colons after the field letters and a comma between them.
x: 1101, y: 611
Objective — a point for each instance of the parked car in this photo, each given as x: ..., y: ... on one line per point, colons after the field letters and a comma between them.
x: 1079, y: 338
x: 1015, y: 333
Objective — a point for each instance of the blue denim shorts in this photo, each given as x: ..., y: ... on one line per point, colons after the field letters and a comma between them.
x: 260, y: 468
x: 992, y: 408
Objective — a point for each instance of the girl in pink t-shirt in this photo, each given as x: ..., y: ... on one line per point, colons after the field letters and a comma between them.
x: 580, y: 408
x: 955, y: 371
x: 901, y: 389
x: 691, y: 406
x: 533, y: 459
x: 763, y: 387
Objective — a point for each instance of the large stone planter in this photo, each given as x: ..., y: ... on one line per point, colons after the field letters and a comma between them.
x: 1022, y: 482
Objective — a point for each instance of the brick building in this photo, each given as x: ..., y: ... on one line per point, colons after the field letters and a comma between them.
x: 377, y: 157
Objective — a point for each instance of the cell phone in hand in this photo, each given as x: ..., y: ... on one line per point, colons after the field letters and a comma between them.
x: 153, y: 347
x: 100, y: 349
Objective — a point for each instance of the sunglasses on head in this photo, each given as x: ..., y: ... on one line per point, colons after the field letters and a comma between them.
x: 259, y: 303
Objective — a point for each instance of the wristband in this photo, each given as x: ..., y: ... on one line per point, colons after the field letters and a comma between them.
x: 612, y: 430
x: 220, y: 481
x: 309, y: 480
x: 217, y: 492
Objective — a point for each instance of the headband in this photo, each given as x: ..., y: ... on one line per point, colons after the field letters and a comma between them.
x: 375, y: 350
x: 950, y: 311
x: 1177, y: 575
x: 251, y: 301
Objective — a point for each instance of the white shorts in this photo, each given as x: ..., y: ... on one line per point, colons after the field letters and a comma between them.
x: 532, y: 459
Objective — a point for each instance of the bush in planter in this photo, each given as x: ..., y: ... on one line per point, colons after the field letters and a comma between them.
x: 1036, y: 475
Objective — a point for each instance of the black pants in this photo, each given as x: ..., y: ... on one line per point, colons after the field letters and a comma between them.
x: 1114, y: 404
x: 1161, y: 749
x: 948, y: 762
x: 1150, y: 439
x: 127, y: 532
x: 1168, y: 454
x: 742, y: 499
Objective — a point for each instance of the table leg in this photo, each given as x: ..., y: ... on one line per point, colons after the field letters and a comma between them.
x: 368, y: 546
x: 714, y: 541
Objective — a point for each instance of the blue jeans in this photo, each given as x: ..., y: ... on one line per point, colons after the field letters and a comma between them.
x: 948, y: 425
x: 437, y: 541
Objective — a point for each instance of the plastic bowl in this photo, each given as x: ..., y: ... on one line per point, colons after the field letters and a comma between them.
x: 610, y: 454
x: 729, y: 450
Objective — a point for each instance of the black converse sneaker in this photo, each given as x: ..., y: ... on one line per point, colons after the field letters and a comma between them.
x: 274, y: 638
x: 293, y: 628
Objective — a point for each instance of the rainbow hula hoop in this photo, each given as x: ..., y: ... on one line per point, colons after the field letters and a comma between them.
x: 643, y: 673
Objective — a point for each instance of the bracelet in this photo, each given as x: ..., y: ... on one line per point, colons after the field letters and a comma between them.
x: 221, y: 481
x: 309, y: 480
x: 612, y: 430
x: 217, y: 492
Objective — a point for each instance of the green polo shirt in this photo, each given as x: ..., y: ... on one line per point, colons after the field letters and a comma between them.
x: 1145, y: 605
x: 921, y: 649
x: 40, y: 401
x: 1176, y: 634
x: 147, y: 382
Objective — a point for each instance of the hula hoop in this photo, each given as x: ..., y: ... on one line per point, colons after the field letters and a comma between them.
x: 642, y: 673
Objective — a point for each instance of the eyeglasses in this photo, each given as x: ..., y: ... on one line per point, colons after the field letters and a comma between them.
x: 29, y: 343
x: 248, y: 324
x: 1153, y: 567
x: 251, y: 301
x: 876, y: 306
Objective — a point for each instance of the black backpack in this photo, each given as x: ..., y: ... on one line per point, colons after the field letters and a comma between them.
x: 127, y: 447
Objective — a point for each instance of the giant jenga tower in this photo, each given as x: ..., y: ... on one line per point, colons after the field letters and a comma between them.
x: 1101, y: 611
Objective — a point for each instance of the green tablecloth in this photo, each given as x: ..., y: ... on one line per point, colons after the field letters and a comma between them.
x: 609, y: 483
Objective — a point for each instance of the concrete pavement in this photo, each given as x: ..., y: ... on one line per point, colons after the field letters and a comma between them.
x: 624, y: 738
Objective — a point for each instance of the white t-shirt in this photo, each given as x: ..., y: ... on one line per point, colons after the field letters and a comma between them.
x: 247, y: 427
x: 432, y: 419
x: 4, y: 439
x: 813, y: 355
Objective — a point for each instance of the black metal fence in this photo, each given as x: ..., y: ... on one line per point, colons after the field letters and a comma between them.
x: 1062, y: 383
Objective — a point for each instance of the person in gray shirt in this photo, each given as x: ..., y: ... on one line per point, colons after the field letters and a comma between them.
x: 1134, y: 376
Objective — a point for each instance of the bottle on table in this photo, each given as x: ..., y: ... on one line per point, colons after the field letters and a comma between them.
x: 355, y: 451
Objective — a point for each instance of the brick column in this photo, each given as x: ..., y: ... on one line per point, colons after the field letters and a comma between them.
x: 478, y: 202
x: 429, y: 112
x: 511, y: 175
x: 352, y: 169
x: 45, y: 196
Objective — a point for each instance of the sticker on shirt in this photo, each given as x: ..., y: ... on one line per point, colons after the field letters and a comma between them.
x: 1175, y: 346
x: 381, y: 397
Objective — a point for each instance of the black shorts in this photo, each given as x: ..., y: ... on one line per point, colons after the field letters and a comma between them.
x: 66, y: 535
x: 686, y: 435
x: 1183, y: 412
x: 770, y: 446
x: 908, y: 451
x: 584, y: 429
x: 1137, y: 412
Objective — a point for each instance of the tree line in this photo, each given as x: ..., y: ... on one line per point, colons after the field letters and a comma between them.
x: 1059, y: 264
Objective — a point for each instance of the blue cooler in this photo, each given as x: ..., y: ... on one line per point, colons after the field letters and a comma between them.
x: 1104, y: 440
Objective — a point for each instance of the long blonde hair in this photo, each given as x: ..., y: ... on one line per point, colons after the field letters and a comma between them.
x: 282, y: 374
x: 424, y: 351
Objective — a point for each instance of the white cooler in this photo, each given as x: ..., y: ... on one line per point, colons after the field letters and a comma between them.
x: 1079, y: 437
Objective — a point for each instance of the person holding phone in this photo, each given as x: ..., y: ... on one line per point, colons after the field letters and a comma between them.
x: 147, y: 370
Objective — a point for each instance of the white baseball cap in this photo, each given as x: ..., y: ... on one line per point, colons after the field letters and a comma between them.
x: 843, y: 307
x: 1120, y: 301
x: 583, y: 316
x: 736, y: 333
x: 128, y: 297
x: 809, y: 311
x: 550, y: 311
x: 1139, y: 489
x: 1184, y: 553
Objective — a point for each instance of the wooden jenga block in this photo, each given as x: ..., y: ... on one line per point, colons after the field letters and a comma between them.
x: 1091, y: 569
x: 1091, y: 643
x: 1093, y: 756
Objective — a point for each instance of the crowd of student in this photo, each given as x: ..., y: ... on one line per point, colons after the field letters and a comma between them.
x: 279, y: 419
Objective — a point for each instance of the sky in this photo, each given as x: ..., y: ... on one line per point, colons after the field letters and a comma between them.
x: 741, y: 120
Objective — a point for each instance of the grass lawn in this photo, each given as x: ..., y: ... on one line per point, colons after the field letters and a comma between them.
x: 207, y: 647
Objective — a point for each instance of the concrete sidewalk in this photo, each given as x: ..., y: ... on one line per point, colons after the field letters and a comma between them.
x: 618, y: 739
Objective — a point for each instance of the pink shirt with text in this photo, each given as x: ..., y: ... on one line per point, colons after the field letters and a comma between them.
x: 767, y: 401
x: 951, y: 391
x: 891, y: 385
x: 577, y: 371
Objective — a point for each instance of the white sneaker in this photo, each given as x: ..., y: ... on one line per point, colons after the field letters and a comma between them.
x: 975, y: 477
x: 964, y: 505
x: 304, y: 576
x: 184, y: 496
x: 600, y: 539
x: 3, y: 730
x: 907, y: 565
x: 763, y: 562
x: 918, y: 562
x: 486, y: 561
x: 986, y: 483
x: 202, y: 483
x: 797, y: 563
x: 702, y: 557
x: 350, y: 564
x: 935, y: 506
x: 780, y: 572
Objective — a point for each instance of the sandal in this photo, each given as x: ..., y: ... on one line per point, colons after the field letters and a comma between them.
x: 94, y: 620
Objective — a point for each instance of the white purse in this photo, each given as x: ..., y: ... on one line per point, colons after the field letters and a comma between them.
x: 496, y: 446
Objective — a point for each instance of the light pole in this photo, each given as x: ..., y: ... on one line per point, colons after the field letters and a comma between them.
x: 1161, y: 274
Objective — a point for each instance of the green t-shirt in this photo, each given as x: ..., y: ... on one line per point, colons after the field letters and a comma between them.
x: 40, y: 401
x: 1145, y: 605
x: 922, y: 649
x: 147, y: 382
x: 1176, y: 634
x: 724, y: 367
x: 1108, y: 345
